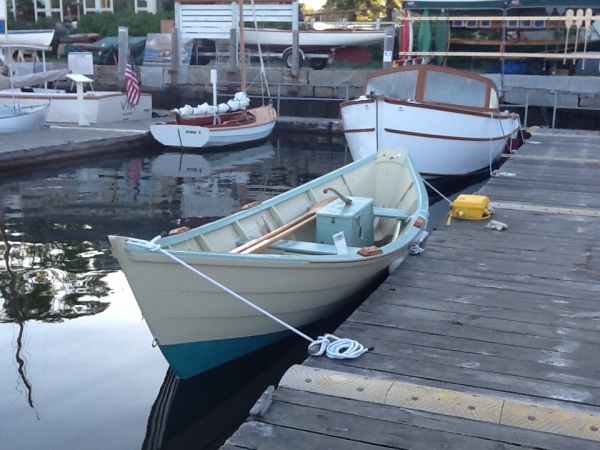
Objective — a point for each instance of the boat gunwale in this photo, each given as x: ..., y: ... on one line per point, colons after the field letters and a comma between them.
x: 488, y: 113
x: 407, y: 236
x: 90, y: 95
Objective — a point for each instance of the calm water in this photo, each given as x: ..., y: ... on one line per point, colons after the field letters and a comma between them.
x: 78, y: 366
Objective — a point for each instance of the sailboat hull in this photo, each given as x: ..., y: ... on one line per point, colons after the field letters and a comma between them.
x: 28, y: 118
x: 186, y: 135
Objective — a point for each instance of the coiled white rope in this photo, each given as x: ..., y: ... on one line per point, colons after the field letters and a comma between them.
x: 336, y: 348
x: 341, y: 348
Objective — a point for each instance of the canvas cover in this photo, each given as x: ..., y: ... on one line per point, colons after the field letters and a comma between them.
x: 33, y: 80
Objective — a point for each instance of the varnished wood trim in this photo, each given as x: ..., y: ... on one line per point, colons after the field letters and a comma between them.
x: 57, y: 97
x: 357, y: 102
x: 479, y: 112
x: 444, y: 137
x: 360, y: 130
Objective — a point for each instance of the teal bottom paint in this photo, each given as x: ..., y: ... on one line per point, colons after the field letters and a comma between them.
x: 188, y: 360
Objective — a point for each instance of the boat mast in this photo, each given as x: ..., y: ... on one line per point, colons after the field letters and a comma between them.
x: 7, y: 50
x: 4, y: 19
x: 242, y: 49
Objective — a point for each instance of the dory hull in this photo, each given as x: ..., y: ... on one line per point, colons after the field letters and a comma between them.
x: 27, y: 37
x: 99, y: 107
x: 199, y: 326
x: 195, y: 335
x: 193, y: 136
x: 30, y: 118
x: 313, y: 39
x: 441, y: 142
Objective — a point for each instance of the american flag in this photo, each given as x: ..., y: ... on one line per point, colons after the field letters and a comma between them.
x: 131, y: 83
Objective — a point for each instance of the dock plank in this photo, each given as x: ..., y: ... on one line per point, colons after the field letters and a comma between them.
x: 510, y: 314
x: 430, y: 421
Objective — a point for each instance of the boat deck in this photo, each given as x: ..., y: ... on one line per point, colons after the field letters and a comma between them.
x: 487, y: 340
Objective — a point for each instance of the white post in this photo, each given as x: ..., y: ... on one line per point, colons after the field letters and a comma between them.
x: 213, y: 80
x: 82, y: 120
x: 123, y: 55
x: 295, y: 41
x: 388, y: 47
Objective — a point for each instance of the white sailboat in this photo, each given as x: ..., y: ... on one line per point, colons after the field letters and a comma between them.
x: 14, y: 116
x: 17, y: 118
x: 231, y: 123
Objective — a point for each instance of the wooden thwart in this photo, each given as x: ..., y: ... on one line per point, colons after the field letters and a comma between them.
x: 292, y: 226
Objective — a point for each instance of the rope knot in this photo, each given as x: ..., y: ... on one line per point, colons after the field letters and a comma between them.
x: 149, y: 245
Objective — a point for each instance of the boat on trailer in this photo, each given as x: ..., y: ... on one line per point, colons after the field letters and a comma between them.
x: 326, y: 39
x: 448, y: 120
x: 299, y: 256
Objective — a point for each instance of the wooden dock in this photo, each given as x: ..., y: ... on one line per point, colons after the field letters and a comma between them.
x: 60, y: 143
x: 487, y: 340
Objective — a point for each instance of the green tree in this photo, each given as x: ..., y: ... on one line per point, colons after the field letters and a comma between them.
x: 363, y: 9
x: 107, y: 24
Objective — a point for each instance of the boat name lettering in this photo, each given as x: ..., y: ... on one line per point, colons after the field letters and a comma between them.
x: 127, y: 105
x: 190, y: 132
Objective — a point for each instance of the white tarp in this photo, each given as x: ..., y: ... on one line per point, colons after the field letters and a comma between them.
x: 2, y: 12
x: 33, y: 80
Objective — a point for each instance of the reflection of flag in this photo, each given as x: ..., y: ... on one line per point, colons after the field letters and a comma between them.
x: 131, y: 84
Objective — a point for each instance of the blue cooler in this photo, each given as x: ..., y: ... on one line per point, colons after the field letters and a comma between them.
x: 355, y: 220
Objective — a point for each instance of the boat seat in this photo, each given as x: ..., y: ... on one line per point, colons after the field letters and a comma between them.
x: 391, y: 213
x: 303, y: 247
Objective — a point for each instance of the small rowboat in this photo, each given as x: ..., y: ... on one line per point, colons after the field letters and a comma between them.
x: 22, y: 118
x: 299, y: 256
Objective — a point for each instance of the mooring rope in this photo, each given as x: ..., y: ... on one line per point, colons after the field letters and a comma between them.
x: 330, y: 345
x: 436, y: 190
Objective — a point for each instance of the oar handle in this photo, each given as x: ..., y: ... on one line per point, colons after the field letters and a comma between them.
x: 310, y: 213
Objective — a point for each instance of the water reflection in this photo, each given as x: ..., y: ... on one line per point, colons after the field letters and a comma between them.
x: 77, y: 358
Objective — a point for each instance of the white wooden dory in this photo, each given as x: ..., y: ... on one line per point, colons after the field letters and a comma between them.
x: 289, y: 272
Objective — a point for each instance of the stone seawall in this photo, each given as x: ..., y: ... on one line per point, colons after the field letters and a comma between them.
x: 193, y: 83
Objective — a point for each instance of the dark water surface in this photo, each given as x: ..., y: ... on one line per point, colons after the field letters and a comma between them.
x: 78, y: 369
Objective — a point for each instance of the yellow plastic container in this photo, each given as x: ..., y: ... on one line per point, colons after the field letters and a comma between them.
x: 472, y: 207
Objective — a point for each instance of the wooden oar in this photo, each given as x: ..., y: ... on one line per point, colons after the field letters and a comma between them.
x: 578, y: 23
x: 310, y: 213
x: 568, y: 22
x: 260, y: 246
x: 588, y: 25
